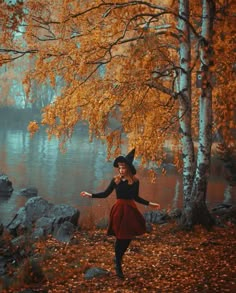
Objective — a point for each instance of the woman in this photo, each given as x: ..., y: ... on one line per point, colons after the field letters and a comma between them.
x: 126, y: 221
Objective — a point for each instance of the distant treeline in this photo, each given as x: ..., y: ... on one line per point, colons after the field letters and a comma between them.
x: 11, y: 117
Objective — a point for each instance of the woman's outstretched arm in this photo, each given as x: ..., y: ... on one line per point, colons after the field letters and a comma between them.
x: 85, y: 194
x: 143, y: 201
x: 102, y: 194
x: 154, y: 205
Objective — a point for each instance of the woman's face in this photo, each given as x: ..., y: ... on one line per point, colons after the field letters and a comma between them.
x: 122, y: 169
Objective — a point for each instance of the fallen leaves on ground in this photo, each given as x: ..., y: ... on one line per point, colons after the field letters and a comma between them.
x: 166, y: 260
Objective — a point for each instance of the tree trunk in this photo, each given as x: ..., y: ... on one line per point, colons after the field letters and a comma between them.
x: 185, y: 107
x: 195, y: 208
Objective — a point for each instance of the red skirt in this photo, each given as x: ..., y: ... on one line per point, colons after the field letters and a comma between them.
x: 126, y: 221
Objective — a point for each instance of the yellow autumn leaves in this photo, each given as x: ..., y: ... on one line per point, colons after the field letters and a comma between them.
x: 33, y: 127
x: 120, y: 99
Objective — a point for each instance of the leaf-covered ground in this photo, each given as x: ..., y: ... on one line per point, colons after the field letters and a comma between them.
x: 166, y: 260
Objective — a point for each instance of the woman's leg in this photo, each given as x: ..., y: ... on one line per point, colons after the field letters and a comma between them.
x: 121, y: 246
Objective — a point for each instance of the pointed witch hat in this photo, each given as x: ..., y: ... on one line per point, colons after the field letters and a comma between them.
x: 127, y: 159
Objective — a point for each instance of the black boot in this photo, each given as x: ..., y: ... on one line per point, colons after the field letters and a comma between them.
x: 118, y: 268
x: 120, y: 247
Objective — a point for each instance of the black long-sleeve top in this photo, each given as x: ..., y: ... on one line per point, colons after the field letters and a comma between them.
x: 123, y: 191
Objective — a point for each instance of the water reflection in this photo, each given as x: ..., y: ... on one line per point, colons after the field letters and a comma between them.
x: 59, y: 177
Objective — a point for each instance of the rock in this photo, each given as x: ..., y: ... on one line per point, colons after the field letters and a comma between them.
x: 5, y: 185
x: 28, y: 192
x: 65, y: 232
x: 1, y: 229
x: 39, y: 217
x: 224, y: 212
x: 156, y: 217
x: 63, y: 212
x: 46, y: 224
x: 102, y: 224
x: 148, y: 227
x: 18, y: 241
x: 37, y: 207
x: 3, y: 265
x: 221, y: 206
x: 33, y: 273
x: 11, y: 252
x: 95, y: 272
x: 6, y: 282
x: 19, y: 220
x: 38, y: 233
x: 175, y: 213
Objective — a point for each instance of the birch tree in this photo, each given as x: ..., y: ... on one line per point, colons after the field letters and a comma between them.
x: 195, y: 179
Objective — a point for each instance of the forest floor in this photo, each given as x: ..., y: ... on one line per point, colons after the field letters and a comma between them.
x: 164, y: 260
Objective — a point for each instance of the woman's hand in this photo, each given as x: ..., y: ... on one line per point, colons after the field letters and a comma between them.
x: 85, y: 194
x: 155, y: 205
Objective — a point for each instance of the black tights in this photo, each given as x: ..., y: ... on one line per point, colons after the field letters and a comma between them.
x: 121, y: 246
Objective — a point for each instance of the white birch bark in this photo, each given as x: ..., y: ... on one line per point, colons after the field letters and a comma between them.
x: 176, y: 195
x: 195, y: 208
x: 205, y: 105
x: 228, y: 194
x: 185, y: 107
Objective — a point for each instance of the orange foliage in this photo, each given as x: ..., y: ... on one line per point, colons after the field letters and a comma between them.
x: 166, y: 260
x: 118, y: 62
x: 33, y: 127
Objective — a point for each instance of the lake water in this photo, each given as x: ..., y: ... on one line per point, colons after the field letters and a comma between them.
x: 59, y: 177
